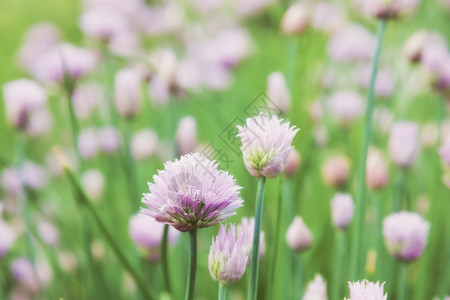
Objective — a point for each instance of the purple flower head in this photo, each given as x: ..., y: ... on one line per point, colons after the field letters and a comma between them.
x: 278, y: 92
x: 346, y: 106
x: 404, y: 143
x: 192, y: 193
x: 316, y: 289
x: 364, y: 290
x: 7, y: 237
x: 353, y: 43
x: 342, y: 209
x: 266, y: 143
x: 405, y: 235
x: 247, y: 228
x: 227, y: 258
x: 298, y: 235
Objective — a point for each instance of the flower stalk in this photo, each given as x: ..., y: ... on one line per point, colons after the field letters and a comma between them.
x: 190, y: 286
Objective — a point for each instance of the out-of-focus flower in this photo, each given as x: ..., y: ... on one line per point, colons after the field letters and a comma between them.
x: 192, y: 193
x: 147, y: 233
x: 298, y: 235
x: 404, y: 143
x: 316, y: 111
x: 278, y: 93
x: 11, y: 182
x: 377, y: 173
x: 383, y: 118
x: 40, y: 122
x: 295, y: 19
x: 29, y: 277
x: 62, y: 59
x: 321, y: 135
x: 22, y: 97
x: 33, y: 175
x: 266, y: 143
x: 345, y: 106
x: 342, y: 210
x: 103, y: 23
x: 405, y: 235
x: 108, y: 139
x: 428, y: 135
x: 444, y: 152
x: 227, y: 258
x: 293, y: 163
x: 335, y: 170
x: 125, y: 43
x: 48, y: 232
x: 67, y: 261
x: 186, y: 135
x: 247, y: 228
x: 7, y: 237
x: 328, y: 16
x: 392, y: 9
x: 93, y: 183
x: 316, y: 289
x: 98, y: 250
x: 414, y: 45
x: 127, y: 92
x: 365, y: 290
x: 352, y: 43
x: 87, y: 143
x: 250, y: 7
x: 144, y: 144
x: 86, y: 97
x: 384, y: 83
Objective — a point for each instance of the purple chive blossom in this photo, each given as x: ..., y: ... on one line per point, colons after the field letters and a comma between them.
x: 404, y: 143
x: 342, y: 210
x: 192, y: 193
x: 405, y: 235
x: 266, y: 143
x: 366, y: 290
x: 298, y: 235
x: 316, y: 289
x: 227, y: 258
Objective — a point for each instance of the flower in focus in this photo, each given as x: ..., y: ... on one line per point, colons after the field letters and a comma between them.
x: 247, y: 228
x: 227, y: 258
x: 364, y: 290
x: 405, y: 235
x: 102, y: 23
x: 342, y: 210
x: 29, y: 277
x: 192, y: 193
x: 404, y: 143
x: 93, y: 183
x: 266, y: 143
x: 298, y: 235
x: 22, y: 97
x: 316, y: 289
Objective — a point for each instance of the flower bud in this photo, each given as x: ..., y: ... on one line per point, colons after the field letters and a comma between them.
x: 108, y: 139
x: 335, y: 170
x: 316, y: 289
x: 345, y: 106
x: 102, y: 23
x: 293, y: 162
x: 144, y: 144
x: 127, y: 92
x: 404, y: 143
x: 93, y: 184
x: 48, y: 232
x: 352, y: 43
x: 278, y: 93
x: 392, y: 9
x: 342, y: 210
x: 7, y: 237
x: 294, y: 20
x: 413, y: 47
x: 88, y: 143
x: 377, y: 173
x: 298, y: 235
x: 186, y: 135
x: 247, y: 227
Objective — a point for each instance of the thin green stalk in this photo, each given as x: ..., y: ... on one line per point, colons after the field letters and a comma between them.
x: 402, y: 287
x: 299, y: 277
x: 378, y: 237
x: 338, y: 264
x: 273, y: 265
x: 190, y: 285
x: 222, y: 292
x: 164, y: 260
x: 254, y: 268
x: 358, y: 229
x: 87, y: 203
x: 399, y: 191
x: 130, y: 168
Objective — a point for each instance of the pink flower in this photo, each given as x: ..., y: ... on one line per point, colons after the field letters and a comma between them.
x: 144, y: 144
x: 404, y: 143
x: 102, y: 23
x: 127, y: 92
x: 365, y: 290
x: 278, y: 93
x: 316, y: 289
x: 345, y: 106
x: 352, y: 43
x: 342, y: 210
x: 377, y: 173
x: 186, y: 135
x: 298, y: 235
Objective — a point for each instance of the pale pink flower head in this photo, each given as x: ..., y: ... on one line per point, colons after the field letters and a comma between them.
x: 127, y: 92
x: 335, y: 170
x: 22, y: 97
x: 414, y: 45
x: 40, y: 122
x: 278, y: 92
x: 266, y: 143
x: 392, y: 9
x: 295, y: 19
x: 293, y: 162
x: 328, y: 16
x: 102, y: 23
x: 33, y: 175
x: 87, y: 143
x: 93, y: 183
x: 192, y: 193
x: 377, y: 173
x: 405, y: 235
x: 444, y: 152
x: 404, y: 143
x: 186, y: 135
x: 384, y: 83
x: 227, y: 258
x: 345, y: 106
x: 7, y: 237
x: 364, y: 290
x: 109, y: 139
x: 298, y: 235
x: 48, y: 232
x: 85, y: 98
x: 342, y: 210
x: 316, y: 289
x: 145, y: 232
x: 24, y: 273
x: 247, y: 228
x: 11, y: 181
x: 144, y: 144
x: 352, y: 43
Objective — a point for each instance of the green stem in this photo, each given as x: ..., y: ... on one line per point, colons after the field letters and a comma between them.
x: 190, y: 286
x: 338, y: 263
x: 378, y: 237
x: 277, y: 237
x: 361, y: 197
x: 299, y: 276
x: 165, y: 261
x: 402, y: 283
x: 222, y: 292
x: 254, y: 268
x: 399, y: 191
x: 130, y: 168
x: 85, y: 202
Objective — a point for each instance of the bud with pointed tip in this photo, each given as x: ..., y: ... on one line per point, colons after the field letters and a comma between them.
x: 298, y: 235
x: 342, y: 210
x: 127, y: 92
x: 278, y: 92
x: 186, y: 135
x: 295, y: 19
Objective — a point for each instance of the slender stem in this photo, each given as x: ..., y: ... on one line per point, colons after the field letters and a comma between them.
x: 338, y: 263
x: 222, y: 291
x: 378, y: 237
x: 361, y: 197
x: 254, y: 268
x: 402, y: 283
x: 190, y: 285
x: 165, y: 261
x: 399, y: 191
x: 273, y: 266
x: 299, y: 277
x: 130, y: 168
